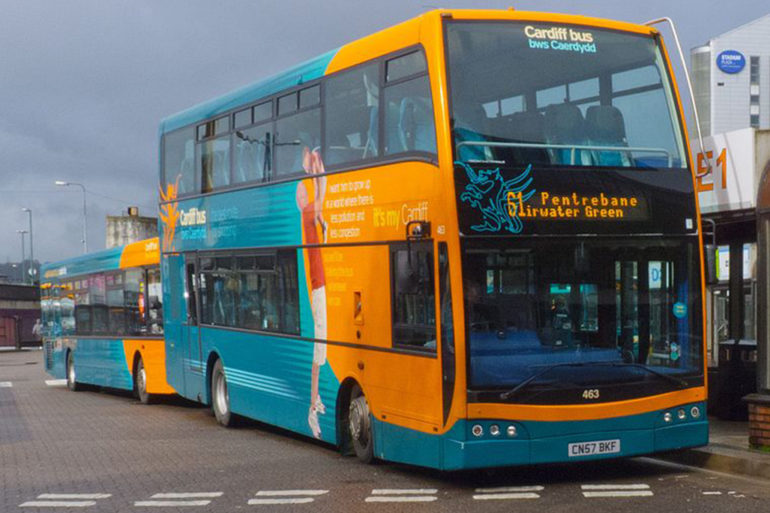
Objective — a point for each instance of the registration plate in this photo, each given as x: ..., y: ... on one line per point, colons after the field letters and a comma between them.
x: 591, y: 448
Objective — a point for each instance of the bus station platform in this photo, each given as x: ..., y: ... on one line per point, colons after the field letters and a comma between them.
x: 728, y: 451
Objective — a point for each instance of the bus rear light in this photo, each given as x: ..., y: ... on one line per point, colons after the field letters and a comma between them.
x: 667, y: 417
x: 511, y: 431
x: 681, y: 414
x: 477, y: 430
x: 695, y: 412
x: 494, y: 430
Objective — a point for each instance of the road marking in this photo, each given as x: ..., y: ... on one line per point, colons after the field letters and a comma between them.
x: 506, y: 496
x: 403, y: 491
x: 6, y: 384
x: 616, y: 487
x: 620, y: 493
x: 403, y: 495
x: 712, y: 493
x: 188, y: 495
x: 280, y: 493
x: 57, y: 504
x: 288, y: 500
x: 504, y: 489
x: 83, y: 496
x: 177, y: 503
x: 65, y: 500
x: 286, y: 497
x: 56, y: 382
x: 616, y: 490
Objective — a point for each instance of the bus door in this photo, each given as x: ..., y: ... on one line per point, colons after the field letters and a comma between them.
x: 194, y: 366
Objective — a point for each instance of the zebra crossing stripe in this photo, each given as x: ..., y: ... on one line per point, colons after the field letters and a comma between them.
x: 57, y: 504
x: 404, y: 491
x: 74, y: 496
x: 178, y: 499
x: 56, y: 382
x: 171, y: 504
x: 507, y: 493
x: 188, y: 495
x: 6, y: 384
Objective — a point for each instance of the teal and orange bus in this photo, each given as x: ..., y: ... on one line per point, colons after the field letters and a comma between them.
x: 103, y: 320
x: 468, y: 240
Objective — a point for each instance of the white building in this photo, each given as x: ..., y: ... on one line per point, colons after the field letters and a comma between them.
x: 731, y: 76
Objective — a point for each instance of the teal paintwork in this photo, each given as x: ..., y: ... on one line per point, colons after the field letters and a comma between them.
x: 107, y: 260
x: 298, y: 75
x: 539, y: 442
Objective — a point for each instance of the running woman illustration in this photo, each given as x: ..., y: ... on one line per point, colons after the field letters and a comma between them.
x: 312, y: 219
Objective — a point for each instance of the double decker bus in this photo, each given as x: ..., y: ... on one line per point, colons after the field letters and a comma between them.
x: 468, y: 240
x: 103, y: 320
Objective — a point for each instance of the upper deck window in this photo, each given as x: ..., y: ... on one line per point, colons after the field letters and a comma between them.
x: 560, y: 95
x: 405, y: 66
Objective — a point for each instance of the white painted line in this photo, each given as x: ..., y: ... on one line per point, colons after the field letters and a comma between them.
x: 289, y: 493
x: 616, y: 487
x: 293, y: 500
x: 403, y: 498
x: 74, y: 496
x: 620, y: 493
x: 187, y: 495
x: 506, y: 496
x: 57, y: 504
x: 178, y: 504
x: 506, y: 489
x: 403, y: 491
x: 6, y: 384
x: 712, y: 493
x: 56, y: 382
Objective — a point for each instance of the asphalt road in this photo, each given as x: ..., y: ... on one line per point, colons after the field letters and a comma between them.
x: 103, y: 451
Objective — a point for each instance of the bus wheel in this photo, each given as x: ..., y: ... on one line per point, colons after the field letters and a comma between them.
x: 360, y: 426
x: 220, y: 399
x: 140, y: 383
x: 72, y: 383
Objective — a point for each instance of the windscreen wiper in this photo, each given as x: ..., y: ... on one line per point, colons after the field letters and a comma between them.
x: 512, y: 392
x: 679, y: 382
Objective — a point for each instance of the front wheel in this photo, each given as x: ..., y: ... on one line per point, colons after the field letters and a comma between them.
x: 140, y: 383
x: 72, y: 383
x: 220, y: 398
x: 360, y: 427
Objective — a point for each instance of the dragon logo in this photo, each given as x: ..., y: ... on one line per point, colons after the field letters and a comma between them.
x: 488, y: 192
x: 169, y: 213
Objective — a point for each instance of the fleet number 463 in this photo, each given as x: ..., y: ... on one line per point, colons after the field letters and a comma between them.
x: 591, y: 393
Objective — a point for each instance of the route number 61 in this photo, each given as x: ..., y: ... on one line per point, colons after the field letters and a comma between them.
x: 591, y: 393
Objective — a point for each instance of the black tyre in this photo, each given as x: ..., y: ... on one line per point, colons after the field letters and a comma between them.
x: 140, y: 383
x: 360, y: 426
x: 220, y: 397
x: 72, y: 383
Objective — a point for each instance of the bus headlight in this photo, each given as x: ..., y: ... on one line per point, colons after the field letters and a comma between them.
x: 681, y: 414
x: 667, y: 417
x: 477, y: 430
x: 695, y: 412
x: 511, y: 431
x: 494, y: 430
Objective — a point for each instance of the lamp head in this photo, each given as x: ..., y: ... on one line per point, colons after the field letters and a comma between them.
x: 61, y: 182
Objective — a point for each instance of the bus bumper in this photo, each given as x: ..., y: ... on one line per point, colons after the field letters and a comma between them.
x: 573, y: 441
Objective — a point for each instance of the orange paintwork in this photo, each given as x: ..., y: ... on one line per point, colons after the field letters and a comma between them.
x: 138, y: 254
x: 407, y: 389
x: 153, y: 354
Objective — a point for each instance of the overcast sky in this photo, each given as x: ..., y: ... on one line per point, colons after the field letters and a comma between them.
x: 84, y: 84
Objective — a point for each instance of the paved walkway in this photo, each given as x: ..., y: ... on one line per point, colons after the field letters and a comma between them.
x: 728, y: 451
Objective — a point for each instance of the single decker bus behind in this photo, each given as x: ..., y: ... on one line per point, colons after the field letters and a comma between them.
x: 468, y: 240
x: 103, y: 320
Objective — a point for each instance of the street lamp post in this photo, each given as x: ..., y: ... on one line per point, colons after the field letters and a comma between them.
x: 23, y: 255
x: 62, y: 183
x: 31, y: 270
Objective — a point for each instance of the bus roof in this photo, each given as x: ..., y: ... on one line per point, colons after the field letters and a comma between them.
x: 143, y: 252
x: 316, y: 68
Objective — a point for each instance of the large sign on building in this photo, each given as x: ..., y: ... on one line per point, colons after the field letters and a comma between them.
x: 737, y: 159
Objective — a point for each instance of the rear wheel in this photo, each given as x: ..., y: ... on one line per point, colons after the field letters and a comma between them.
x: 72, y: 383
x: 220, y: 398
x: 360, y: 426
x: 140, y: 383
